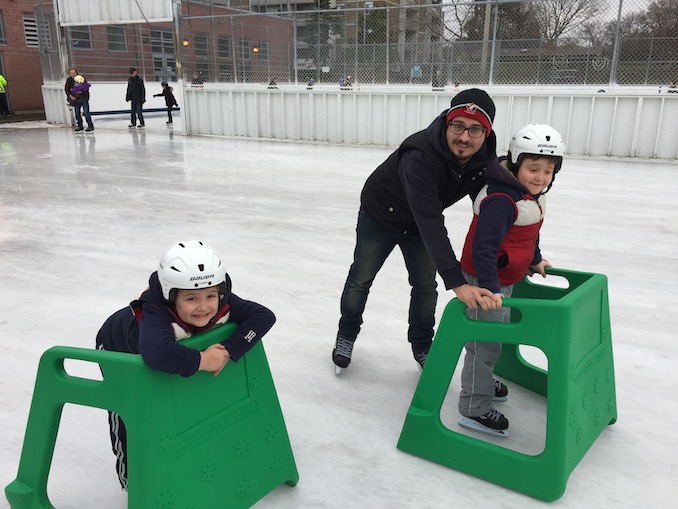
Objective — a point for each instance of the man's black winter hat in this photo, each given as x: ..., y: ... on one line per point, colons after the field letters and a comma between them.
x: 473, y: 103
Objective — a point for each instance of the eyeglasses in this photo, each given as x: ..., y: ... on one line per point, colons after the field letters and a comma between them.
x: 474, y: 131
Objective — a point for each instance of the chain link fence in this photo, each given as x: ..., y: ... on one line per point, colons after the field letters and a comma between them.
x: 562, y: 42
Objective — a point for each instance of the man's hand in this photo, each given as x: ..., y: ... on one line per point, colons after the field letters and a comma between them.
x: 474, y: 297
x: 214, y: 358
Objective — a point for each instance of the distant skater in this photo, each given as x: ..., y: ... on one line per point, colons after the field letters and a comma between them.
x: 170, y: 100
x: 136, y: 94
x: 77, y: 95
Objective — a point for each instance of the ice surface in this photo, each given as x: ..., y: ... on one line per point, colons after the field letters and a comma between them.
x: 84, y: 219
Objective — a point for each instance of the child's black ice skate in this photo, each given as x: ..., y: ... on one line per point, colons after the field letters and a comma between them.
x: 341, y: 354
x: 493, y: 423
x: 500, y: 391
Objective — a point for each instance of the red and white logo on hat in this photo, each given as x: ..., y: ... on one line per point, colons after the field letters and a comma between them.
x: 471, y: 108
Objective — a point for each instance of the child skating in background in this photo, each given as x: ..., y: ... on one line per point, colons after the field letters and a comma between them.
x: 502, y: 246
x: 189, y: 293
x: 81, y: 86
x: 170, y: 101
x: 79, y: 99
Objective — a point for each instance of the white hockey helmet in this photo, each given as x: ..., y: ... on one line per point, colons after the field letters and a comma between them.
x: 190, y: 265
x: 536, y: 139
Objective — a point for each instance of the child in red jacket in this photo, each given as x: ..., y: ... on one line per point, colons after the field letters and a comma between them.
x: 502, y: 246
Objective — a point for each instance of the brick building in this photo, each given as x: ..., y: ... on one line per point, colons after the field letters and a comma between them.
x: 20, y: 55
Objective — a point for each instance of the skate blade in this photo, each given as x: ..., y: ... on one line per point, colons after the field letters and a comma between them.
x: 468, y: 423
x: 500, y: 399
x: 338, y: 370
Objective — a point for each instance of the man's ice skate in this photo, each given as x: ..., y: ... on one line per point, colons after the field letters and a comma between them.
x: 493, y: 423
x: 500, y: 391
x: 420, y: 357
x: 341, y: 355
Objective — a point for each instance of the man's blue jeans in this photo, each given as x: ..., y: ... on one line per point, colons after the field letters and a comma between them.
x: 137, y: 111
x: 84, y: 107
x: 373, y: 245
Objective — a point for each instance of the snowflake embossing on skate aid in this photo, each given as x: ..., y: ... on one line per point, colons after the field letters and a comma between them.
x: 241, y: 447
x: 208, y: 471
x: 165, y: 443
x: 596, y: 418
x: 257, y: 382
x: 573, y: 417
x: 596, y: 385
x: 271, y: 432
x: 245, y: 486
x: 276, y: 467
x: 165, y: 499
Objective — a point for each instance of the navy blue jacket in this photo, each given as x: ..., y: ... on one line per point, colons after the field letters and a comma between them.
x: 151, y: 327
x: 136, y: 91
x: 409, y: 191
x: 483, y: 255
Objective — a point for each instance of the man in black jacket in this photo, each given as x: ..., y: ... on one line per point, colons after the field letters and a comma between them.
x: 402, y: 205
x: 136, y: 92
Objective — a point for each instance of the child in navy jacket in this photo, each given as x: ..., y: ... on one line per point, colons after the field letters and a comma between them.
x: 170, y: 101
x: 502, y: 246
x: 189, y: 293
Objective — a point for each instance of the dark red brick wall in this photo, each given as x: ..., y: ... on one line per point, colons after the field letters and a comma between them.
x: 20, y: 65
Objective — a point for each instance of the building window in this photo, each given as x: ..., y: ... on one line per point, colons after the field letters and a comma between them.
x: 116, y: 38
x: 162, y: 41
x: 245, y: 48
x: 263, y: 49
x: 81, y: 37
x: 203, y: 69
x: 224, y: 46
x: 225, y: 72
x: 3, y: 39
x: 31, y: 31
x: 201, y: 45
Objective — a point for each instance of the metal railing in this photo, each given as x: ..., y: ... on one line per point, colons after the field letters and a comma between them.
x: 535, y: 42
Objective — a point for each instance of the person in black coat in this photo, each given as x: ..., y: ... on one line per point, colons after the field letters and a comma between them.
x: 170, y: 101
x: 136, y: 93
x: 402, y: 205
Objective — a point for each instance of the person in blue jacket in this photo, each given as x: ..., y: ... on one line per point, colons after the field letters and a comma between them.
x: 501, y: 247
x: 189, y: 293
x: 402, y: 204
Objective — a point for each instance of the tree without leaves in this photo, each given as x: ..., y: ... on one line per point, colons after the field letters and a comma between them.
x: 556, y: 18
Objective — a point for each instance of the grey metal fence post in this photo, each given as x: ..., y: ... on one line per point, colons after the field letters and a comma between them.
x: 388, y: 44
x: 294, y: 48
x: 178, y: 38
x: 615, y: 49
x: 490, y: 79
x: 235, y: 56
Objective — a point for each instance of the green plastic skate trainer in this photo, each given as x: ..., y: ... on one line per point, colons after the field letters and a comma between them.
x: 198, y: 442
x: 572, y: 327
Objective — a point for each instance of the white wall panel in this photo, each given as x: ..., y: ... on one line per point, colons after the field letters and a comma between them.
x: 666, y: 144
x: 600, y: 124
x: 88, y: 12
x: 592, y: 124
x: 648, y: 124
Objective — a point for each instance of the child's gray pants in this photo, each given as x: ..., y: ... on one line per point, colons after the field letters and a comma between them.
x: 477, y: 380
